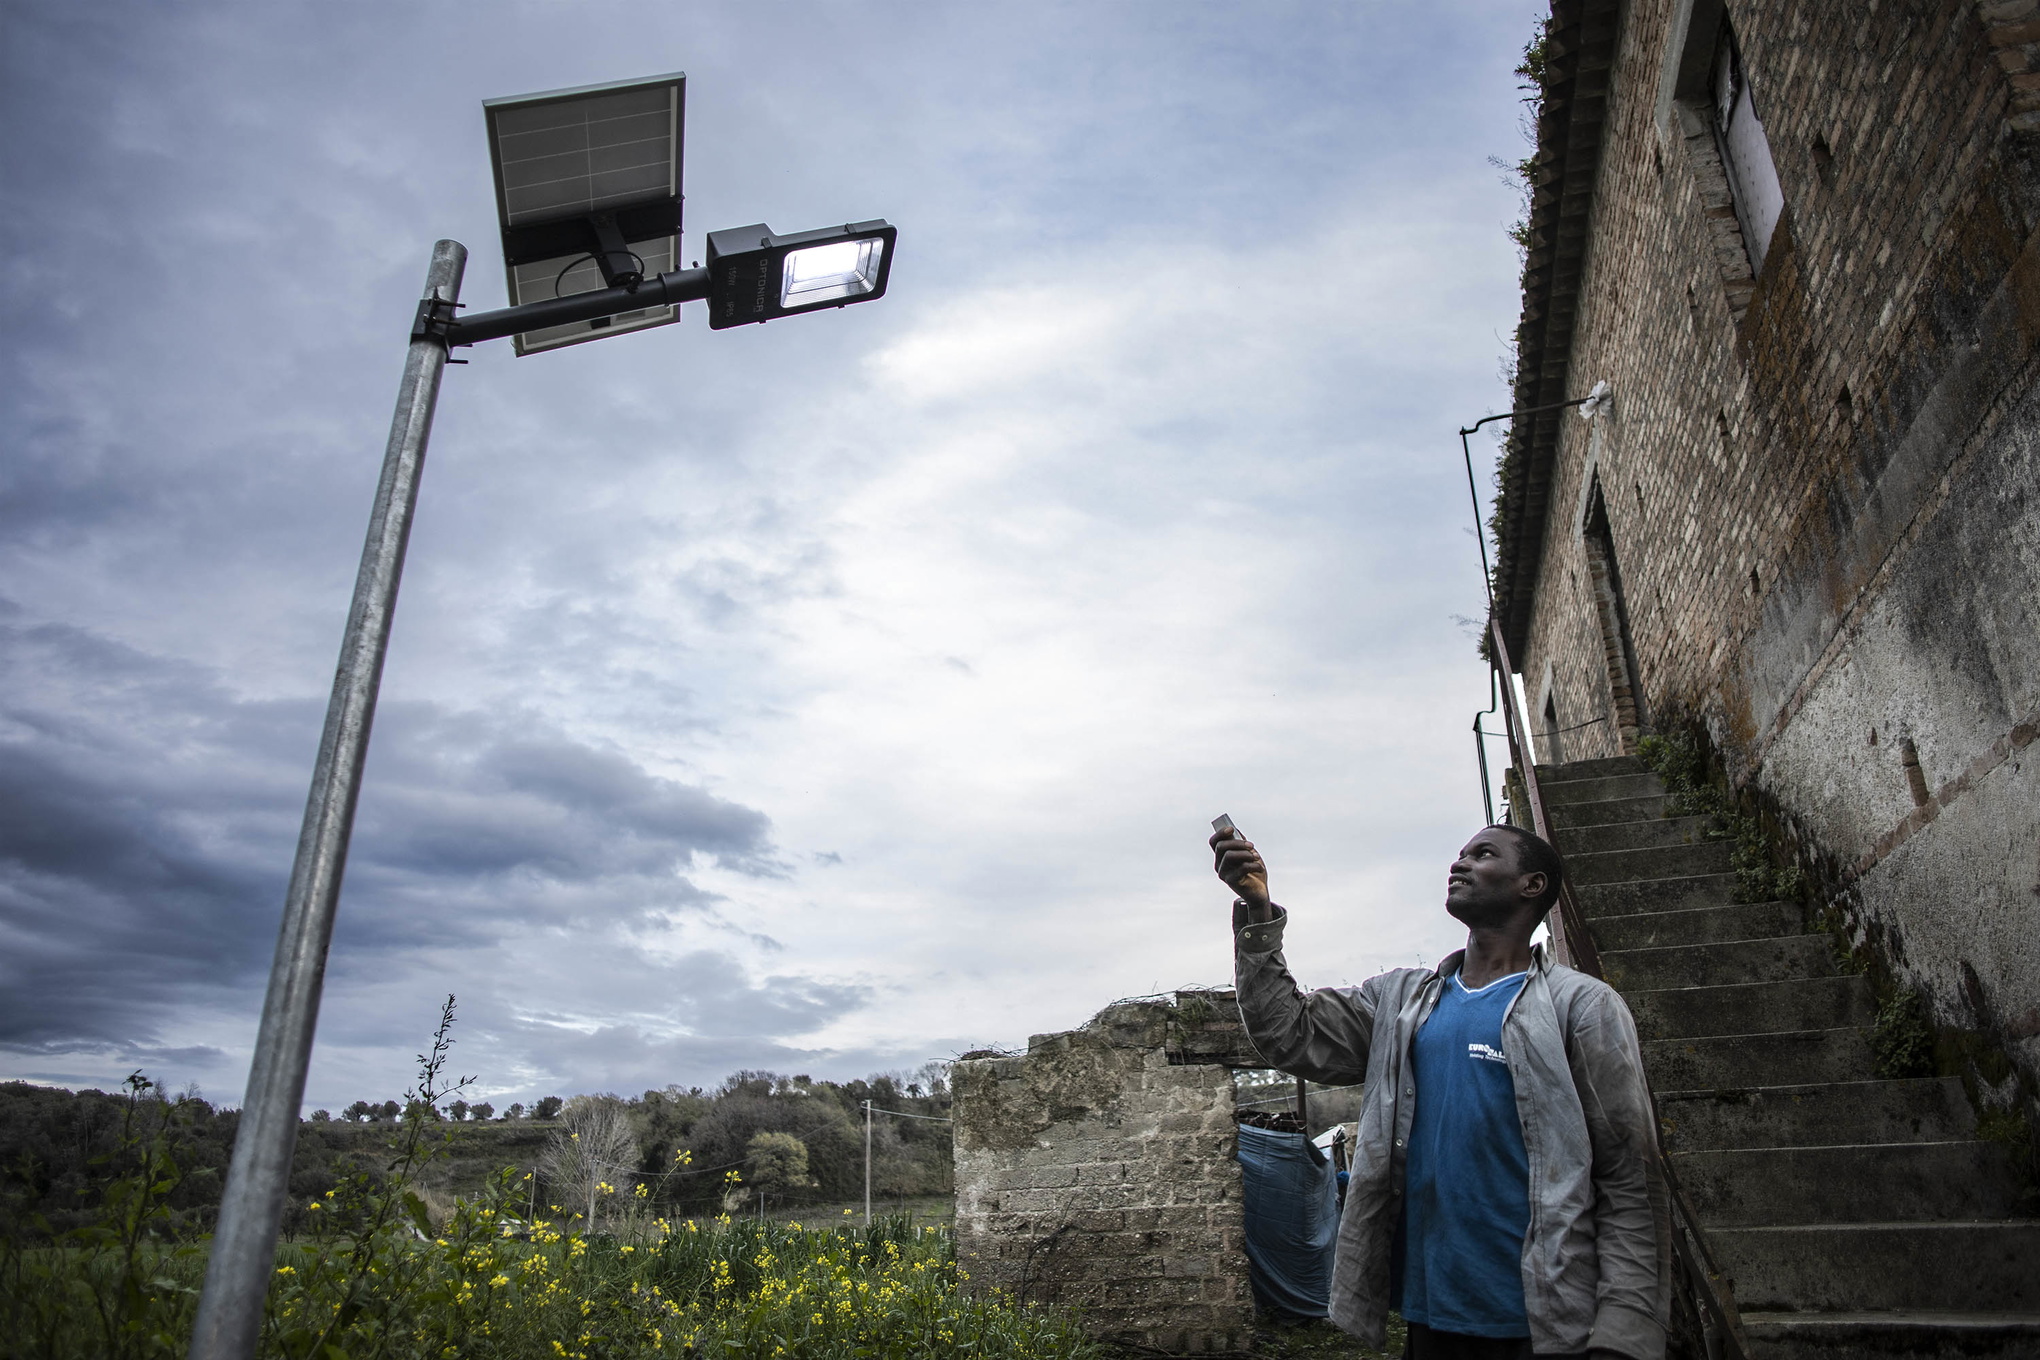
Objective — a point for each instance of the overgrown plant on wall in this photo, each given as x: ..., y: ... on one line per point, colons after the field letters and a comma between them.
x: 1533, y: 74
x: 1693, y: 790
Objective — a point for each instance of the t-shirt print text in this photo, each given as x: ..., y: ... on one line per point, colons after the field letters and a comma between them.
x: 1487, y: 1051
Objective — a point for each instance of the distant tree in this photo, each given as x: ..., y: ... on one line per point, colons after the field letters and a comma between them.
x: 482, y: 1109
x: 777, y: 1163
x: 594, y: 1147
x: 458, y: 1109
x: 935, y: 1076
x: 360, y: 1112
x: 548, y: 1108
x: 749, y: 1083
x: 389, y: 1110
x: 516, y: 1110
x: 322, y: 1116
x: 664, y: 1120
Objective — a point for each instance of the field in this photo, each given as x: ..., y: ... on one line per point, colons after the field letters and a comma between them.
x: 486, y: 1285
x: 420, y: 1253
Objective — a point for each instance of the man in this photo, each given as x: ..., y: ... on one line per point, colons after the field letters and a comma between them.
x: 1506, y: 1196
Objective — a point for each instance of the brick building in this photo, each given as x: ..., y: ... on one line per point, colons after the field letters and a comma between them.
x: 1797, y: 241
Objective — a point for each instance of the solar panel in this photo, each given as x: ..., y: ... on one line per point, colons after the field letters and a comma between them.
x: 567, y: 157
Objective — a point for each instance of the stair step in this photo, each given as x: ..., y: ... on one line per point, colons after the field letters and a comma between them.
x: 1914, y: 1335
x: 1605, y: 811
x: 1911, y: 1110
x: 1718, y: 964
x: 1590, y: 769
x: 1738, y: 1061
x: 1639, y: 835
x: 1752, y: 1008
x: 1659, y: 862
x: 1562, y: 792
x: 1865, y: 1182
x: 1850, y: 1267
x: 1662, y: 894
x: 1698, y: 925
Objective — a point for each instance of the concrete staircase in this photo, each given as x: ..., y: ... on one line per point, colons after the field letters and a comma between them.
x: 1856, y: 1216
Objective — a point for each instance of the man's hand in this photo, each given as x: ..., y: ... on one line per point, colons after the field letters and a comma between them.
x: 1235, y: 860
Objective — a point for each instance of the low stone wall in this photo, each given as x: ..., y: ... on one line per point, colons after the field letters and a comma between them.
x: 1100, y: 1171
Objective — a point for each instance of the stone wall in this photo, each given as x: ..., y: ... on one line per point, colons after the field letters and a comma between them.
x: 1821, y: 486
x: 1100, y: 1171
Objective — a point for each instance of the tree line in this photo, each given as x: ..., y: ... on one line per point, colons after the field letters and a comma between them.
x: 670, y: 1151
x: 458, y: 1110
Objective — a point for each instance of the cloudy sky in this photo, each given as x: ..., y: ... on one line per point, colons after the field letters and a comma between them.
x: 826, y: 696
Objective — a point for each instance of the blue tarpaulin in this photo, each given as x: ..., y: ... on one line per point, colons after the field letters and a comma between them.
x: 1292, y: 1211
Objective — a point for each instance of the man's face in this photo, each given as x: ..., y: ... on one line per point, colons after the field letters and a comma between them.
x: 1486, y: 886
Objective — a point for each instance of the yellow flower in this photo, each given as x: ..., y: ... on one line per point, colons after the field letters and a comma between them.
x: 315, y: 1205
x: 499, y: 1281
x: 286, y: 1270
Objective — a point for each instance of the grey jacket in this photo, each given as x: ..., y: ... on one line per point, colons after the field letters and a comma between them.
x: 1597, y: 1259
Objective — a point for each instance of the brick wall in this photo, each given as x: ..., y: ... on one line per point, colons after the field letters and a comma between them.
x: 1820, y: 482
x: 1100, y: 1171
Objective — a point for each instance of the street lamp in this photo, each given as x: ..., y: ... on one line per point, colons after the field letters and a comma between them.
x: 588, y: 197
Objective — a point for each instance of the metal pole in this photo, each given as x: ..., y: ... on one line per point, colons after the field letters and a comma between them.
x: 251, y: 1211
x: 867, y: 1164
x: 1303, y: 1105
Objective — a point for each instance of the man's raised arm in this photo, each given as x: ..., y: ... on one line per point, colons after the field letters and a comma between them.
x: 1325, y: 1035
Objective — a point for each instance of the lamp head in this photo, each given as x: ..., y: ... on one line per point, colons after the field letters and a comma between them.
x: 756, y: 276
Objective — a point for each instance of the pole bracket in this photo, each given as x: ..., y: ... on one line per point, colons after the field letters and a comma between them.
x: 434, y: 320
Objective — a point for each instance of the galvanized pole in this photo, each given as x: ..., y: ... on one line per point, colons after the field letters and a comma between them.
x: 251, y: 1212
x: 867, y: 1163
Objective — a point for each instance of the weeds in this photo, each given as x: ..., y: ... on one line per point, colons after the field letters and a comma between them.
x: 1680, y: 761
x: 1901, y: 1042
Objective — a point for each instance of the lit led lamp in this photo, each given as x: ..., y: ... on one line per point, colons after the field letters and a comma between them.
x: 756, y: 276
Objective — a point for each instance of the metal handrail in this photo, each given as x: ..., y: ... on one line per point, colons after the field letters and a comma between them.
x: 1711, y: 1290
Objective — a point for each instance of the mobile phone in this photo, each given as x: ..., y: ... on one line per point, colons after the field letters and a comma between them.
x: 1223, y: 824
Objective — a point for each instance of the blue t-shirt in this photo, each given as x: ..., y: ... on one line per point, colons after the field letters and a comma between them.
x: 1467, y: 1201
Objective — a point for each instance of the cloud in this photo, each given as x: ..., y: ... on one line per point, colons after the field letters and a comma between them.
x: 144, y: 842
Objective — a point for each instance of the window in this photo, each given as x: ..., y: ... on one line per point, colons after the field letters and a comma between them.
x: 1611, y: 612
x: 1706, y: 99
x: 1745, y: 151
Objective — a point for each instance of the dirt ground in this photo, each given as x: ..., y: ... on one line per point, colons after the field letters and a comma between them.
x: 1320, y: 1341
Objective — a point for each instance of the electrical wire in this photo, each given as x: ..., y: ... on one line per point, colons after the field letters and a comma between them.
x: 908, y: 1114
x: 589, y: 256
x: 1290, y: 1099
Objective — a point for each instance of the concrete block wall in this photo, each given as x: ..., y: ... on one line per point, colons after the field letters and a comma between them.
x: 1099, y: 1171
x: 1821, y: 488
